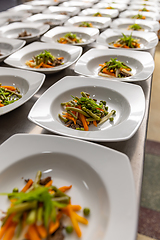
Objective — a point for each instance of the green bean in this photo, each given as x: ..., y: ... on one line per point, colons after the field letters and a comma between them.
x: 91, y: 114
x: 71, y: 114
x: 40, y: 215
x: 82, y: 129
x: 77, y: 110
x: 90, y: 119
x: 85, y: 94
x: 22, y: 207
x: 31, y: 218
x: 62, y: 118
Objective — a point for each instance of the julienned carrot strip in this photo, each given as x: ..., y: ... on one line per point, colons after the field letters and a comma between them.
x: 83, y: 119
x: 54, y: 226
x: 49, y: 183
x: 27, y: 186
x: 1, y: 105
x: 69, y: 117
x: 32, y: 233
x: 40, y: 65
x: 60, y: 58
x: 95, y: 123
x: 46, y: 65
x: 80, y: 218
x: 108, y: 72
x: 76, y: 207
x: 9, y: 233
x: 74, y: 221
x: 7, y: 224
x: 65, y: 188
x: 41, y: 231
x: 9, y: 88
x: 27, y: 236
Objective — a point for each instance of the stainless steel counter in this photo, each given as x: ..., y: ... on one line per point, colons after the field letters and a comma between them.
x: 16, y: 122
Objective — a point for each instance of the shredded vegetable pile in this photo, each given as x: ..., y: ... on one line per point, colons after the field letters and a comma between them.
x: 144, y: 10
x: 8, y: 95
x: 70, y: 38
x: 126, y: 42
x: 86, y: 24
x: 136, y: 27
x: 115, y: 68
x: 139, y: 16
x: 38, y: 210
x: 109, y: 7
x: 98, y: 14
x: 81, y: 112
x: 24, y: 34
x: 44, y: 60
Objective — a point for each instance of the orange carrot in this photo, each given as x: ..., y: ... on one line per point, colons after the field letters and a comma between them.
x: 108, y: 72
x: 9, y: 88
x: 7, y: 225
x: 65, y: 188
x: 68, y: 116
x: 32, y: 233
x: 27, y: 186
x: 46, y: 65
x: 83, y: 119
x: 53, y: 226
x: 95, y: 123
x: 81, y: 219
x: 74, y: 221
x: 27, y: 236
x: 60, y: 58
x: 76, y: 207
x: 1, y: 105
x: 41, y: 231
x: 9, y: 233
x: 40, y: 65
x: 49, y: 183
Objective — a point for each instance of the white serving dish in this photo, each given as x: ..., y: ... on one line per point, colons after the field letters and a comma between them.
x: 112, y: 13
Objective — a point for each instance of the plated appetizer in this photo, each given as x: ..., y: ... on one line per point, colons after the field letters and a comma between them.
x: 24, y: 34
x: 126, y: 42
x: 85, y: 24
x: 114, y: 69
x: 81, y: 112
x: 144, y: 10
x: 45, y: 60
x: 8, y: 95
x: 98, y: 14
x: 109, y: 7
x: 135, y: 27
x: 38, y: 210
x: 139, y: 16
x: 70, y: 38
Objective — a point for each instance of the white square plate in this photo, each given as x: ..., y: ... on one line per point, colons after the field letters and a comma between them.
x: 148, y: 15
x: 120, y: 6
x: 68, y: 11
x: 112, y: 13
x: 14, y: 29
x: 80, y: 4
x: 142, y: 63
x: 147, y: 40
x: 100, y: 22
x: 49, y: 19
x: 138, y: 7
x: 19, y: 58
x: 88, y: 35
x: 124, y: 23
x: 27, y: 82
x: 118, y: 95
x: 101, y: 179
x: 45, y: 3
x: 27, y: 9
x: 9, y: 46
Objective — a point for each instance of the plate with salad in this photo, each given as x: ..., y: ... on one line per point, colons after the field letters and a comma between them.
x: 135, y: 25
x: 90, y: 109
x: 17, y: 87
x: 119, y: 65
x: 96, y: 12
x: 140, y: 15
x: 71, y: 35
x: 44, y: 57
x: 104, y: 5
x: 129, y: 40
x: 89, y: 22
x: 66, y: 174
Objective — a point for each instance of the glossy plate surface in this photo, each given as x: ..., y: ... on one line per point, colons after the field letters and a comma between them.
x: 69, y: 53
x: 119, y: 96
x: 105, y: 184
x: 147, y: 40
x: 88, y: 35
x: 142, y: 64
x: 9, y: 46
x: 27, y: 82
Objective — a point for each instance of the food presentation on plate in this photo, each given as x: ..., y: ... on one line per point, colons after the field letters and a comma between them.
x: 8, y: 95
x: 126, y: 42
x: 135, y: 27
x: 85, y: 24
x: 70, y: 38
x: 114, y: 68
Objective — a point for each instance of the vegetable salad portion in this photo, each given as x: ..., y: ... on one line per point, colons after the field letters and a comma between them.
x: 135, y: 27
x: 139, y: 16
x: 126, y: 42
x: 70, y: 38
x: 115, y: 68
x: 44, y: 60
x: 8, y: 95
x: 81, y: 112
x: 37, y: 212
x: 85, y: 24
